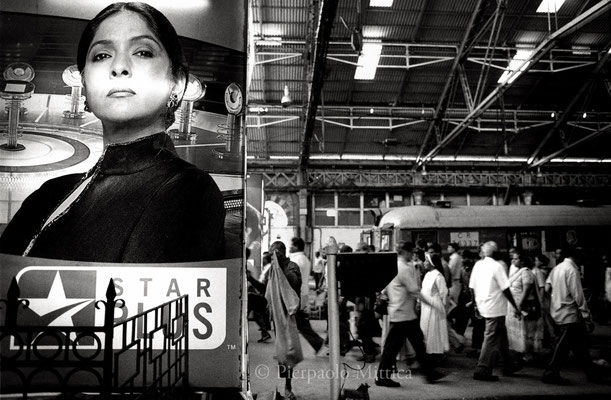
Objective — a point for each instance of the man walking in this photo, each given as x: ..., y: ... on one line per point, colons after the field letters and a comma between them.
x: 570, y: 312
x: 490, y: 287
x: 402, y: 293
x: 303, y: 319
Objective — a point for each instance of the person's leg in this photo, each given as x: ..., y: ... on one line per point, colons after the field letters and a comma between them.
x: 489, y: 346
x: 580, y: 343
x: 304, y: 327
x: 509, y: 367
x: 560, y: 353
x: 392, y: 345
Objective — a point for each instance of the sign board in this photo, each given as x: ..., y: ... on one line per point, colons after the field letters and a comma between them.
x: 465, y: 239
x: 63, y: 293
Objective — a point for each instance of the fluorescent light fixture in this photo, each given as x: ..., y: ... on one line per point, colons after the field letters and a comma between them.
x: 363, y: 157
x: 261, y: 110
x: 518, y: 62
x: 283, y: 157
x: 390, y: 157
x: 550, y: 6
x: 269, y: 41
x: 576, y: 160
x: 325, y: 157
x: 380, y: 3
x: 368, y: 61
x: 581, y: 50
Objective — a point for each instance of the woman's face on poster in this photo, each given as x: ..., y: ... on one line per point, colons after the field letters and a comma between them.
x: 127, y: 73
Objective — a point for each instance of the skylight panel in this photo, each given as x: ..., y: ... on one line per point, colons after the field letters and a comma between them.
x: 517, y: 62
x: 368, y: 61
x: 550, y: 6
x: 380, y: 3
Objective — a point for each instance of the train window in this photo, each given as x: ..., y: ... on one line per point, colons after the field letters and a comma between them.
x: 325, y: 200
x: 399, y: 200
x: 369, y: 217
x: 322, y: 218
x: 478, y: 200
x: 374, y: 200
x: 349, y: 218
x: 349, y: 200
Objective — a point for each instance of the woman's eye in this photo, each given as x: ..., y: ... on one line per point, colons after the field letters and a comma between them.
x: 144, y: 53
x: 100, y: 57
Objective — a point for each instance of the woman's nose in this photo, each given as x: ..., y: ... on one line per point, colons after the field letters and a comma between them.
x: 120, y: 67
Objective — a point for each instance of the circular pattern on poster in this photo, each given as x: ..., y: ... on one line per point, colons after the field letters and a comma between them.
x: 44, y: 152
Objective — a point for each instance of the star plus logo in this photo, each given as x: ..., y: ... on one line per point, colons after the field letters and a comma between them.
x: 58, y: 297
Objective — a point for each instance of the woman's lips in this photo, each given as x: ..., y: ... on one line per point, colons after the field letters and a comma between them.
x: 120, y: 92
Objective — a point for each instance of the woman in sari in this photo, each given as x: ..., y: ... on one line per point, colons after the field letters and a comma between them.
x: 433, y: 320
x: 525, y: 331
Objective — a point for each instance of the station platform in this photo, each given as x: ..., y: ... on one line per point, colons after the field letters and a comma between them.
x: 311, y: 375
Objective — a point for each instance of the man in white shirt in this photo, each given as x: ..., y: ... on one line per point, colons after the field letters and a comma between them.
x: 490, y: 287
x: 570, y: 312
x: 402, y: 293
x: 456, y: 269
x: 303, y: 319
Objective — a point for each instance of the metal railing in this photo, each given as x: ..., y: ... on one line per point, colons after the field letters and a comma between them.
x: 149, y: 358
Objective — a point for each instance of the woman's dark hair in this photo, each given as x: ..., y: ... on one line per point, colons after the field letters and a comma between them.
x: 159, y: 26
x: 419, y: 254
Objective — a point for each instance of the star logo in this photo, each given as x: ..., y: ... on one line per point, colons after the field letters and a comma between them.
x: 59, y: 298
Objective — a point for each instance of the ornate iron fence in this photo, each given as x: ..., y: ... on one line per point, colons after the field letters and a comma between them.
x: 149, y: 358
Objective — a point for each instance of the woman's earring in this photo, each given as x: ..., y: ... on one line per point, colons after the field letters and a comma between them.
x: 172, y: 101
x: 87, y: 107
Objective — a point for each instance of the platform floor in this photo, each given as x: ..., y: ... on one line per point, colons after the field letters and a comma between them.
x: 311, y: 375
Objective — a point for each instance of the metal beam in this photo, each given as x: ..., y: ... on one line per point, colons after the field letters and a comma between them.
x: 568, y: 111
x: 577, y: 23
x: 442, y: 103
x: 367, y: 179
x: 570, y: 146
x: 325, y: 25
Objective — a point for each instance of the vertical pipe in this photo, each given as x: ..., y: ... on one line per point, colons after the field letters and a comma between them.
x: 13, y: 123
x: 333, y: 317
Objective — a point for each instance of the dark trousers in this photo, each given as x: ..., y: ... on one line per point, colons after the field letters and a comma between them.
x: 477, y: 335
x: 366, y: 324
x: 395, y: 339
x: 461, y: 317
x: 495, y: 339
x: 572, y: 337
x: 304, y: 327
x: 258, y: 305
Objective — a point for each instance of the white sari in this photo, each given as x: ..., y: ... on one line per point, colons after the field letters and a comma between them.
x: 433, y: 317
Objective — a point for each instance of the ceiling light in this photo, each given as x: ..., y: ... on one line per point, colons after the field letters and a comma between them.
x: 371, y: 111
x: 539, y: 173
x: 550, y: 6
x: 368, y: 61
x: 584, y: 115
x: 553, y: 114
x: 518, y: 62
x: 286, y: 99
x: 581, y: 50
x: 269, y: 41
x: 380, y: 3
x: 424, y: 173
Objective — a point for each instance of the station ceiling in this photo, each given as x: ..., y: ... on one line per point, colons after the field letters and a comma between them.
x: 435, y: 101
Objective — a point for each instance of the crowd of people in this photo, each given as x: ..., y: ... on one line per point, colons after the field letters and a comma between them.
x: 528, y: 309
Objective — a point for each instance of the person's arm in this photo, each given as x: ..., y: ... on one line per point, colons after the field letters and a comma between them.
x: 509, y: 297
x: 260, y: 286
x: 576, y: 290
